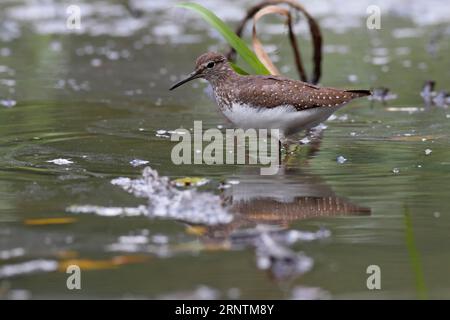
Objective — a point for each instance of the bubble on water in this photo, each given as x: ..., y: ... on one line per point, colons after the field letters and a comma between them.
x: 138, y: 162
x: 380, y: 51
x: 233, y: 293
x: 18, y: 294
x: 202, y: 292
x: 396, y: 170
x: 8, y: 103
x: 5, y: 52
x: 407, y: 63
x: 56, y: 46
x: 60, y: 161
x: 401, y: 33
x: 113, y: 55
x: 422, y: 66
x: 109, y: 211
x: 334, y: 117
x: 96, y: 62
x: 11, y: 253
x: 8, y: 82
x: 380, y: 60
x: 125, y: 54
x: 352, y: 78
x: 160, y: 239
x: 133, y: 239
x: 428, y: 152
x: 309, y: 293
x: 28, y: 267
x: 89, y: 49
x: 158, y: 102
x: 293, y: 236
x: 6, y: 69
x: 353, y: 134
x: 341, y: 159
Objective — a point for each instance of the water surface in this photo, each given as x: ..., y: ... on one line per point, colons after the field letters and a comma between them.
x: 97, y: 99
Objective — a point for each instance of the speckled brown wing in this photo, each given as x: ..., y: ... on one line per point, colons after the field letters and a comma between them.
x: 273, y: 91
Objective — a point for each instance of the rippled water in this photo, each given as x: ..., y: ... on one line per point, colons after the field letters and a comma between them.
x: 80, y: 111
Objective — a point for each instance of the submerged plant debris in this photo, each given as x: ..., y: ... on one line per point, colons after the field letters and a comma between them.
x: 281, y: 261
x: 165, y: 201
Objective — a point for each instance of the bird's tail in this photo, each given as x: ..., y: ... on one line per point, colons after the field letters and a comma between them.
x: 359, y: 93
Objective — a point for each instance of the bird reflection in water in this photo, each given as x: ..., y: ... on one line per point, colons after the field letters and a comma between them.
x: 264, y: 207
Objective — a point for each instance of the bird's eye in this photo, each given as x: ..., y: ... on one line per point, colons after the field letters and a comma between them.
x: 210, y: 65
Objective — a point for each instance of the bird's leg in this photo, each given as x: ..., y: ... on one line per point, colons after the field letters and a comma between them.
x: 283, y: 148
x: 315, y: 135
x: 279, y: 151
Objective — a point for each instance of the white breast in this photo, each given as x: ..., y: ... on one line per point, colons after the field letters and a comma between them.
x: 285, y: 118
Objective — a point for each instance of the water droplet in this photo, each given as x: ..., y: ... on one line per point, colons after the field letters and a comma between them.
x: 60, y: 161
x: 96, y: 62
x: 8, y: 103
x: 138, y: 162
x: 341, y: 159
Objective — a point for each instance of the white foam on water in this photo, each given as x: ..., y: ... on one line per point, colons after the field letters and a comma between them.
x: 164, y: 201
x: 33, y: 266
x: 60, y: 161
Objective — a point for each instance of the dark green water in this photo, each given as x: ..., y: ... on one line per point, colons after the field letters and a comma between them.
x: 102, y: 117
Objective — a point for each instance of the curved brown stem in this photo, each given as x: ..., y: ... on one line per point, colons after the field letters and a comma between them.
x: 313, y: 28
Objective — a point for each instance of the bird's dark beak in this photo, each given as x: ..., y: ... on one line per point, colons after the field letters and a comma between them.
x: 194, y: 75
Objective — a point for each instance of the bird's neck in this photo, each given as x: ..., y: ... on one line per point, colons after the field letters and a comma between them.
x: 223, y: 78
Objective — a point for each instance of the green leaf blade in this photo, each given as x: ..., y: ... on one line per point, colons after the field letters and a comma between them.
x: 233, y: 40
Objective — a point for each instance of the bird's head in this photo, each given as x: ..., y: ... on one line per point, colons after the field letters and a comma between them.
x: 209, y: 66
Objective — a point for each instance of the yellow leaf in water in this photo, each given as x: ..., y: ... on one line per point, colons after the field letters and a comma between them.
x: 222, y: 246
x: 88, y: 264
x: 190, y: 181
x: 196, y: 230
x: 48, y: 221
